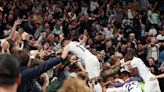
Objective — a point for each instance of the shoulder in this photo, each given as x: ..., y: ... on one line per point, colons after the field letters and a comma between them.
x: 137, y: 59
x: 73, y: 44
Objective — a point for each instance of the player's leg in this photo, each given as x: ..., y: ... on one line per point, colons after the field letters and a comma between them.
x: 92, y: 67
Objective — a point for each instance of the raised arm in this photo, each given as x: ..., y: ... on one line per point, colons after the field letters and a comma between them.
x: 126, y: 63
x: 157, y: 77
x: 84, y: 37
x: 17, y: 22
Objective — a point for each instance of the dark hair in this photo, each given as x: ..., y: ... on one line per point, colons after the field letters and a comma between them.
x: 75, y: 39
x: 63, y: 41
x: 128, y: 56
x: 132, y: 51
x: 9, y: 69
x: 151, y: 58
x: 23, y: 57
x: 125, y: 73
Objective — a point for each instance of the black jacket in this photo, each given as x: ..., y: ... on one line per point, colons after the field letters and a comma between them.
x: 28, y: 74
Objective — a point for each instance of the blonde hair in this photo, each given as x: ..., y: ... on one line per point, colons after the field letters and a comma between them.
x: 74, y: 85
x: 25, y: 36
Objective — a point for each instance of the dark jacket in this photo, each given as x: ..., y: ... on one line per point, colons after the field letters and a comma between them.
x: 28, y: 74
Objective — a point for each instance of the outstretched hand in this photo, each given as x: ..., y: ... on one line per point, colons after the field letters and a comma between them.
x: 153, y: 78
x: 18, y: 22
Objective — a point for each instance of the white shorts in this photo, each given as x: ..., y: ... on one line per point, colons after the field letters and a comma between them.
x: 92, y: 66
x: 152, y: 86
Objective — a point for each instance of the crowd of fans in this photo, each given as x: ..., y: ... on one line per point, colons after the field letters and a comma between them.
x: 32, y: 31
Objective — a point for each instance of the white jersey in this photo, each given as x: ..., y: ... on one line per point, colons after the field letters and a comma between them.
x: 125, y: 67
x: 92, y: 65
x: 97, y: 88
x: 79, y: 50
x: 132, y: 86
x: 143, y: 71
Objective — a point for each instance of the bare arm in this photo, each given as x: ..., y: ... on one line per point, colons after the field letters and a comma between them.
x: 65, y: 52
x: 84, y: 40
x: 160, y: 76
x: 157, y: 77
x: 80, y: 66
x: 17, y: 22
x: 46, y: 82
x: 126, y: 63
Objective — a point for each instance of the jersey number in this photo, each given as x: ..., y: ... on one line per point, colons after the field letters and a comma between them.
x: 130, y: 86
x: 81, y: 48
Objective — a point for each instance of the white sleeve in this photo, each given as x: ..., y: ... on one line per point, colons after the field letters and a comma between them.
x: 134, y: 63
x: 97, y: 88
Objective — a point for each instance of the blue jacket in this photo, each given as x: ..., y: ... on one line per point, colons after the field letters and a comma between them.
x: 28, y: 74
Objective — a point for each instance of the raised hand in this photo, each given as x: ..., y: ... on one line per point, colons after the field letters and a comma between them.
x: 18, y: 22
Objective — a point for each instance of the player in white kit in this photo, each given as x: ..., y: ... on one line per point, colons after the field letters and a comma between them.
x: 132, y: 86
x: 143, y: 71
x: 92, y: 65
x: 131, y: 83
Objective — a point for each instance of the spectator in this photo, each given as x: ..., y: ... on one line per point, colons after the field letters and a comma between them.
x: 34, y: 29
x: 153, y: 49
x: 152, y: 31
x: 152, y: 66
x: 28, y: 74
x: 9, y: 76
x: 160, y: 37
x: 94, y: 6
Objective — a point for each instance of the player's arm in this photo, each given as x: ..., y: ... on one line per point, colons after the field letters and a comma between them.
x: 160, y: 76
x: 65, y: 52
x: 126, y: 63
x: 157, y: 77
